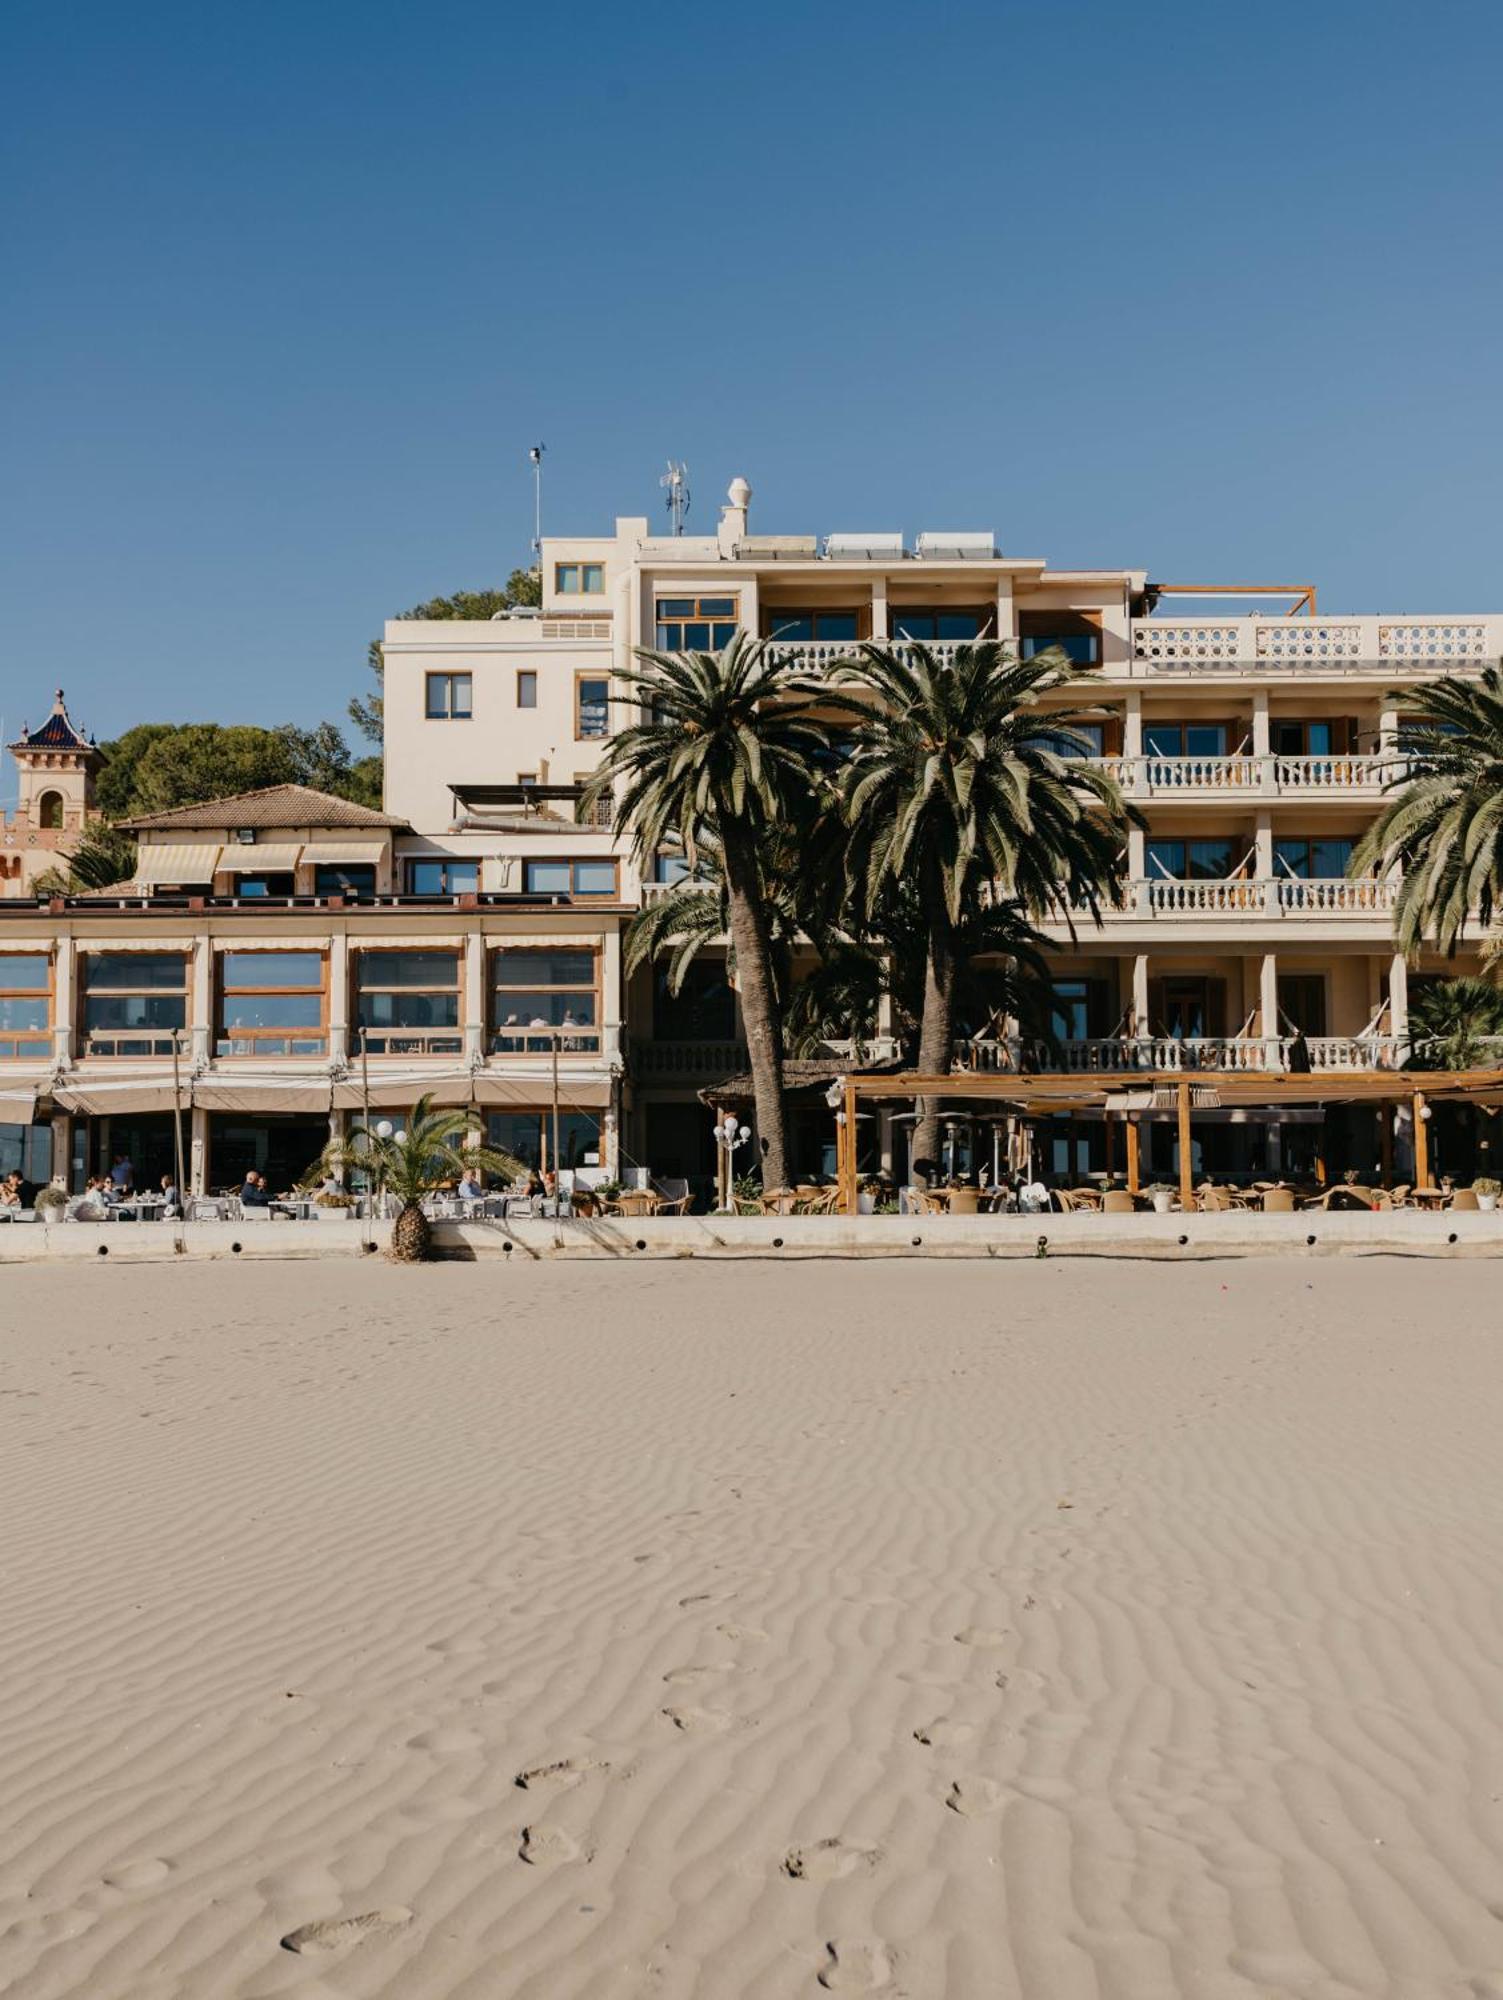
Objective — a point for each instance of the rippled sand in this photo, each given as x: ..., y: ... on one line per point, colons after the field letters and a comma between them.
x: 676, y: 1632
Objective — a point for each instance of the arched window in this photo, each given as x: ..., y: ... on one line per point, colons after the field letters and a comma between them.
x: 50, y: 811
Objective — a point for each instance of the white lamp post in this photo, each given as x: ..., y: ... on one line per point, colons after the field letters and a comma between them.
x: 730, y: 1134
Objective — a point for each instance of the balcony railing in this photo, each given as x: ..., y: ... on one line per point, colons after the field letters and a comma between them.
x: 816, y: 655
x: 703, y: 1062
x: 1251, y: 777
x: 1399, y: 646
x: 1173, y: 1055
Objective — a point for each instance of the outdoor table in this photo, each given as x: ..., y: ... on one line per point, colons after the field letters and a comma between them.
x: 1428, y: 1197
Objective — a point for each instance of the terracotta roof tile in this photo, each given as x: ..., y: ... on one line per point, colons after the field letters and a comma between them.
x: 272, y: 806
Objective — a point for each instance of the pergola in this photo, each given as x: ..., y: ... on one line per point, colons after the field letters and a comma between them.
x: 1126, y: 1092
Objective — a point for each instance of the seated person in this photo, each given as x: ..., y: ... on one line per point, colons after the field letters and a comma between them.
x: 469, y: 1185
x: 253, y: 1192
x: 170, y: 1194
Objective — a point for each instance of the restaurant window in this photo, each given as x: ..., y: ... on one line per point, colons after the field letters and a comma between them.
x: 569, y: 878
x: 25, y: 1003
x: 408, y: 1003
x: 578, y: 579
x: 448, y: 697
x: 528, y: 1137
x: 1185, y: 739
x: 830, y: 626
x: 544, y: 987
x: 344, y: 878
x: 702, y: 1010
x: 527, y: 687
x: 1312, y: 860
x: 695, y: 624
x: 933, y: 626
x: 592, y: 706
x: 440, y: 875
x: 1190, y: 860
x: 271, y: 1003
x: 133, y: 1001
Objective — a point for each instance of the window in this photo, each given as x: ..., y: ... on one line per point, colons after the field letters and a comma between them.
x: 344, y: 878
x: 133, y: 1001
x: 702, y: 1010
x: 670, y: 867
x: 1078, y: 1009
x: 1335, y: 737
x: 1185, y: 739
x: 449, y: 697
x: 1302, y: 1002
x: 1073, y: 739
x: 544, y: 988
x: 1190, y: 860
x: 834, y: 626
x: 932, y: 626
x: 578, y: 579
x: 408, y: 1003
x: 569, y: 878
x: 1189, y: 1008
x: 592, y: 706
x: 1071, y: 632
x: 271, y: 1003
x: 695, y: 624
x: 1312, y: 860
x: 528, y: 1137
x: 25, y: 1003
x: 440, y: 875
x: 50, y: 811
x: 277, y: 883
x: 527, y: 687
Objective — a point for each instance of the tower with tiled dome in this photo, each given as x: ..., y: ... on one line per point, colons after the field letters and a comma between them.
x: 57, y: 764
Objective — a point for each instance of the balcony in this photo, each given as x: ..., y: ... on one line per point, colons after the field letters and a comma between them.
x: 1337, y: 895
x: 818, y: 655
x: 687, y: 1062
x: 1165, y: 1055
x: 1348, y: 775
x: 1260, y: 647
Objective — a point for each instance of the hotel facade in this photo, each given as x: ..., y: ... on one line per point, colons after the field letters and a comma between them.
x: 301, y: 957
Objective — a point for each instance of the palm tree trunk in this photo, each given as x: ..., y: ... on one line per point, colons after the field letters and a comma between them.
x: 761, y: 1010
x: 936, y: 1035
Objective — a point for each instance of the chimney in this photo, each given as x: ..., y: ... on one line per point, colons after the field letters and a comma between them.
x: 733, y: 516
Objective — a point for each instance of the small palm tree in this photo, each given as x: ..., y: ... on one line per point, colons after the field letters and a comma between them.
x: 1452, y: 1021
x: 957, y: 785
x: 1443, y: 824
x: 725, y: 747
x: 102, y: 858
x: 410, y: 1164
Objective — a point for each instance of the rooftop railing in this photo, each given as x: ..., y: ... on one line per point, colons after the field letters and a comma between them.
x: 1400, y: 646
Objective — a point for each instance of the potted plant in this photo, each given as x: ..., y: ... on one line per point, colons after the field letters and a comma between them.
x: 51, y: 1203
x: 1487, y: 1192
x: 332, y: 1207
x: 1162, y: 1196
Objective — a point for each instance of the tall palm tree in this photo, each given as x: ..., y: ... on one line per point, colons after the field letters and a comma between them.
x: 1443, y: 824
x: 959, y: 784
x: 725, y: 747
x: 426, y: 1155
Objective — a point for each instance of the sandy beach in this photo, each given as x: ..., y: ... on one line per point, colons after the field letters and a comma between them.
x: 1072, y: 1631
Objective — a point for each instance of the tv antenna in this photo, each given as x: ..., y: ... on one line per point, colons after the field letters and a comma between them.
x: 676, y: 481
x: 535, y: 453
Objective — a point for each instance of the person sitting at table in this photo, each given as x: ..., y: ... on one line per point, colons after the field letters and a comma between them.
x: 10, y: 1191
x: 169, y: 1192
x: 253, y: 1192
x: 469, y: 1185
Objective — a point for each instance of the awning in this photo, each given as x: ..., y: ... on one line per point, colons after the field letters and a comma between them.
x: 176, y: 861
x: 268, y: 857
x: 217, y: 1094
x: 388, y: 1092
x: 446, y: 1092
x: 336, y: 853
x: 17, y: 1102
x: 594, y: 1091
x: 107, y: 1100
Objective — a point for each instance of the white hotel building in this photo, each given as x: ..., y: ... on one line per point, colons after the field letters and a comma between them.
x: 308, y: 954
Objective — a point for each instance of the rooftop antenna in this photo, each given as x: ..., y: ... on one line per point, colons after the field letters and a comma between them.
x: 535, y: 453
x: 676, y: 480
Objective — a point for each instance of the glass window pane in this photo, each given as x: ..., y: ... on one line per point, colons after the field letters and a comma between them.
x: 1329, y: 858
x: 113, y: 971
x: 111, y: 1012
x: 668, y: 639
x: 696, y: 637
x: 459, y: 696
x: 594, y: 707
x: 594, y: 878
x: 670, y: 868
x: 717, y: 607
x: 914, y: 624
x: 520, y: 1009
x: 272, y: 968
x: 543, y: 968
x: 1287, y: 739
x: 1319, y: 739
x: 567, y: 579
x: 721, y: 636
x: 409, y: 1010
x: 1166, y: 857
x: 594, y: 578
x: 958, y: 625
x: 518, y: 1133
x: 353, y: 879
x: 438, y: 695
x: 409, y: 968
x: 675, y: 607
x: 527, y: 690
x: 837, y: 625
x: 791, y: 625
x: 1163, y: 739
x: 1205, y: 739
x: 1210, y: 860
x: 24, y: 969
x: 22, y: 1014
x: 272, y: 1010
x: 548, y: 878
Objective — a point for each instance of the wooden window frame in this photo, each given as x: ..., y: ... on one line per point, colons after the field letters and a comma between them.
x: 529, y: 674
x: 448, y: 675
x: 16, y: 1043
x: 582, y: 675
x: 580, y: 565
x: 773, y: 615
x: 444, y: 861
x: 160, y: 1039
x: 420, y: 1036
x: 571, y: 862
x: 589, y: 1040
x: 223, y: 1034
x: 697, y: 617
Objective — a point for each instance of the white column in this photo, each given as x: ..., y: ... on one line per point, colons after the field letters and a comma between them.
x: 1137, y: 854
x: 1007, y: 623
x: 1140, y: 993
x: 1262, y: 736
x: 474, y: 995
x: 339, y: 998
x: 1388, y: 730
x: 1263, y: 847
x: 1268, y: 994
x: 201, y: 1000
x: 1398, y: 995
x: 612, y: 990
x: 198, y: 1153
x: 1132, y: 724
x: 64, y: 1001
x: 879, y: 608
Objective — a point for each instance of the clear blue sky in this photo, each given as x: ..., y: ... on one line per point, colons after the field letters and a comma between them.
x: 291, y: 288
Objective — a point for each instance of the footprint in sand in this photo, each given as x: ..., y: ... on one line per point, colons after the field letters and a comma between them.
x: 828, y: 1860
x: 943, y: 1733
x: 544, y: 1845
x: 138, y: 1874
x: 982, y: 1635
x: 741, y: 1631
x: 972, y: 1797
x: 339, y: 1933
x: 701, y: 1721
x: 458, y: 1647
x: 688, y: 1676
x: 855, y: 1965
x: 447, y: 1742
x: 558, y: 1776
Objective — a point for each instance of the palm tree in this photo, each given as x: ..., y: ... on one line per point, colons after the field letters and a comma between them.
x: 410, y: 1164
x: 1444, y: 823
x: 102, y: 858
x: 959, y: 785
x: 1451, y: 1022
x: 725, y: 747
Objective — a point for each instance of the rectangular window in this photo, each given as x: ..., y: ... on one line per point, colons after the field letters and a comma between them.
x: 1185, y: 739
x: 1302, y: 739
x: 1190, y: 860
x: 670, y: 867
x: 441, y: 875
x: 25, y: 1003
x: 569, y: 878
x: 544, y: 988
x: 528, y: 1137
x: 1073, y: 739
x: 408, y: 1003
x: 133, y: 1001
x: 695, y: 624
x: 278, y: 884
x: 527, y: 687
x: 578, y: 579
x: 932, y: 627
x: 344, y: 878
x: 271, y: 1003
x: 449, y: 697
x: 831, y: 626
x: 1082, y: 648
x: 592, y: 706
x: 1311, y: 860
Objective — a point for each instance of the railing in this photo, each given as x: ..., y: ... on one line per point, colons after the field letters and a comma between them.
x: 815, y: 655
x: 1400, y: 646
x: 519, y: 1041
x: 1172, y: 1054
x: 1338, y: 895
x: 683, y: 1060
x: 128, y: 1044
x: 407, y: 1041
x: 272, y: 1045
x: 1341, y: 895
x: 17, y: 1048
x: 1161, y: 777
x: 1356, y: 772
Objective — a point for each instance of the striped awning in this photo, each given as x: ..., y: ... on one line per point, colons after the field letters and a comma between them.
x: 261, y: 857
x: 176, y: 861
x: 335, y: 853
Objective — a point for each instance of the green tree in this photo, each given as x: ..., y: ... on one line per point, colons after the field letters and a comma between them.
x: 723, y: 749
x: 956, y: 785
x: 1452, y: 1021
x: 523, y: 586
x: 158, y: 765
x: 425, y: 1155
x: 1443, y: 824
x: 103, y: 857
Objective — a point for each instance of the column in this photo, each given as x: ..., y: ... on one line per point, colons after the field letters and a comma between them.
x: 1140, y: 993
x: 880, y: 629
x: 64, y: 1003
x: 1262, y: 743
x: 339, y: 998
x: 201, y: 1002
x: 1398, y: 999
x: 1268, y: 995
x: 1263, y: 847
x: 62, y: 1149
x: 1007, y: 624
x: 474, y: 996
x: 198, y: 1153
x: 1137, y: 854
x: 337, y: 1124
x: 612, y: 990
x: 1132, y: 724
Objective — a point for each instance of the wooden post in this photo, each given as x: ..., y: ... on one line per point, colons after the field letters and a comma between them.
x: 1421, y: 1142
x: 1111, y: 1145
x: 1186, y: 1171
x: 1321, y: 1169
x: 1132, y: 1154
x: 1385, y: 1143
x: 848, y: 1158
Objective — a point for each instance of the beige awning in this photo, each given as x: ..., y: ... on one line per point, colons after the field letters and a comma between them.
x: 262, y: 857
x: 107, y: 1100
x: 455, y: 1088
x: 226, y: 1094
x: 176, y: 861
x: 338, y: 852
x: 17, y: 1102
x: 592, y: 1091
